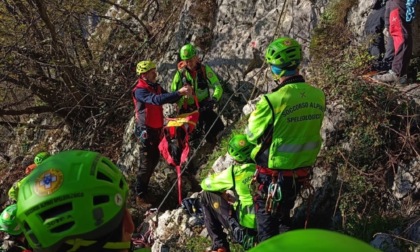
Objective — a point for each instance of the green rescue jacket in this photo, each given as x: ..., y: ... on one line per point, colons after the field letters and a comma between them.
x: 238, y: 178
x: 202, y: 83
x: 296, y: 110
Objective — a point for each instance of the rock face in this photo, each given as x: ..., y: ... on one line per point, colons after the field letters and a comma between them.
x: 231, y: 37
x: 237, y: 34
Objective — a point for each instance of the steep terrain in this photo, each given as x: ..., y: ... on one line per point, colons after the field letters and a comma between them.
x: 367, y: 178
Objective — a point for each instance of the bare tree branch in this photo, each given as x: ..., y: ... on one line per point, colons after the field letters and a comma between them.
x: 29, y: 110
x: 29, y: 125
x: 132, y: 15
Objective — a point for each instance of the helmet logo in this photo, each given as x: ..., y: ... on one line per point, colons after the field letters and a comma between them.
x: 118, y: 199
x: 48, y: 182
x: 287, y: 42
x: 241, y: 143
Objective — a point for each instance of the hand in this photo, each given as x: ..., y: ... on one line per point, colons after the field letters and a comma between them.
x: 181, y: 65
x: 229, y: 196
x: 185, y: 90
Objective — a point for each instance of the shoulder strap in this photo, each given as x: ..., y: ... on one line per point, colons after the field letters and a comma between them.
x: 268, y: 133
x: 203, y: 69
x: 268, y: 136
x: 204, y: 72
x: 271, y: 107
x: 233, y: 177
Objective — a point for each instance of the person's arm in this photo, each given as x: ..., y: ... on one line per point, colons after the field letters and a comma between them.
x: 258, y: 121
x: 218, y: 182
x: 214, y: 83
x: 143, y: 95
x: 176, y: 85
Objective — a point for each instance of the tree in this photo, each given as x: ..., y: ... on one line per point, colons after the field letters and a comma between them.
x: 50, y: 61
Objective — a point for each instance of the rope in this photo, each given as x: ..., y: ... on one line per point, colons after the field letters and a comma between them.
x: 306, y: 185
x: 265, y: 63
x: 199, y: 146
x: 218, y: 116
x: 145, y: 240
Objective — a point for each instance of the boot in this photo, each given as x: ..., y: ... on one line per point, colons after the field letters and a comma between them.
x: 389, y: 77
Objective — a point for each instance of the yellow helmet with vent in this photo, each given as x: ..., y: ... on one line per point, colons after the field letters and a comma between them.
x: 145, y: 66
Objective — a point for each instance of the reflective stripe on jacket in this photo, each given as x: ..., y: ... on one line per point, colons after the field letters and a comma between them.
x: 297, y: 113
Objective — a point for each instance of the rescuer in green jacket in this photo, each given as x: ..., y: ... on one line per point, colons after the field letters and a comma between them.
x: 206, y: 87
x: 235, y: 213
x: 285, y: 126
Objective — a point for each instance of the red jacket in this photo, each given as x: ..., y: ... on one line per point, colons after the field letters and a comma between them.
x: 148, y: 114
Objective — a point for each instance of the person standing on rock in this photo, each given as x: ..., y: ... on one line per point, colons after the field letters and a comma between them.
x: 203, y: 80
x: 398, y: 17
x: 379, y: 47
x: 148, y: 98
x: 285, y: 127
x: 221, y: 210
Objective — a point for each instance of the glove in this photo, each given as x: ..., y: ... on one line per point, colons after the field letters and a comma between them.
x: 229, y: 196
x: 141, y: 134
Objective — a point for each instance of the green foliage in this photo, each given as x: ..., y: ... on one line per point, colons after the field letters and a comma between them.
x: 82, y: 74
x: 197, y: 243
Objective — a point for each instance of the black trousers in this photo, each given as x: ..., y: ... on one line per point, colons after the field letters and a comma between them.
x: 401, y: 33
x: 374, y: 26
x: 270, y: 224
x: 206, y: 120
x: 217, y: 212
x: 149, y: 158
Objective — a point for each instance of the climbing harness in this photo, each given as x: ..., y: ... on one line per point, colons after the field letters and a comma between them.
x: 274, y: 194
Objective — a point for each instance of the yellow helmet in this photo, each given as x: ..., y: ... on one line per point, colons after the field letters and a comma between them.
x: 144, y: 66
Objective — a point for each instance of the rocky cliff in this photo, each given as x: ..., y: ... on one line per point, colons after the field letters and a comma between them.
x: 379, y: 191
